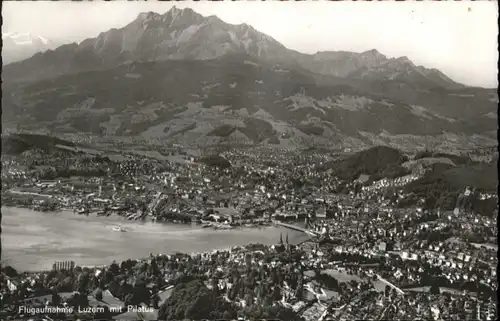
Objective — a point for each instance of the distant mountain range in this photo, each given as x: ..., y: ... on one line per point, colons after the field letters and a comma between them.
x: 185, y: 34
x: 19, y: 46
x: 184, y: 77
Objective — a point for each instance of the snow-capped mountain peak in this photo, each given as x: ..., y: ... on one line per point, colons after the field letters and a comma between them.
x: 25, y: 38
x: 21, y: 45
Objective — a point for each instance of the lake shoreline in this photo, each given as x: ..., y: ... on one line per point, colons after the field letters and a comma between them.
x: 147, y: 218
x: 33, y: 241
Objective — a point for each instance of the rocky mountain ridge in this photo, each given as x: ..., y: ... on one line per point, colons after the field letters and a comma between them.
x: 182, y: 77
x: 185, y: 34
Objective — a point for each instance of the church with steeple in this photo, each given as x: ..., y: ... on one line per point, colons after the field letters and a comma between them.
x: 283, y: 246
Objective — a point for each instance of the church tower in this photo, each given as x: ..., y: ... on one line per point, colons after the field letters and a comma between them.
x: 100, y: 188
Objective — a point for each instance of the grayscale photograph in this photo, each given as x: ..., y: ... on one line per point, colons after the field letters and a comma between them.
x: 249, y: 160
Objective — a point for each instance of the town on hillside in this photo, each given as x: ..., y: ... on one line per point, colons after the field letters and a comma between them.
x: 249, y: 160
x: 390, y: 234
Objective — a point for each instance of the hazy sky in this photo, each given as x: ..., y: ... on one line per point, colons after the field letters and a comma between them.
x: 459, y: 38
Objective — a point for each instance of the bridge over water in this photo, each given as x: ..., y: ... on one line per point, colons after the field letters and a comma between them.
x: 297, y: 228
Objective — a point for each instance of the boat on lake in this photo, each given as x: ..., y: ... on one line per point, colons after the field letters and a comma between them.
x: 82, y: 210
x: 119, y: 228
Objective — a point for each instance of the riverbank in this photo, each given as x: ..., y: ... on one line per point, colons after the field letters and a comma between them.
x: 33, y: 241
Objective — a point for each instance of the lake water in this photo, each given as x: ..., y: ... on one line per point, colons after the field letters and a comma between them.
x: 33, y: 241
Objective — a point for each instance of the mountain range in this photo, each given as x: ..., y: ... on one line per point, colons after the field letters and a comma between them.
x: 184, y: 77
x: 19, y: 46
